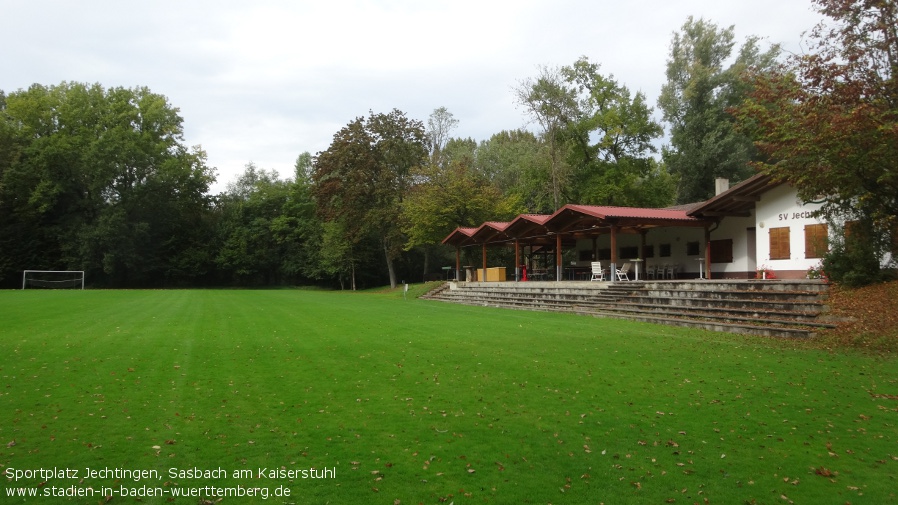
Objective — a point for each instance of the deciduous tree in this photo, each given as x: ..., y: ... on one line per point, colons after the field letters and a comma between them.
x: 611, y: 135
x: 363, y: 177
x: 518, y: 164
x: 449, y: 197
x: 828, y: 119
x: 99, y: 180
x: 439, y: 129
x: 550, y: 102
x: 703, y: 81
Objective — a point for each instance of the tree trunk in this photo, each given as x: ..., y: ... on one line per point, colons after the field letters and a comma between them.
x: 426, y: 263
x: 352, y: 267
x: 390, y: 268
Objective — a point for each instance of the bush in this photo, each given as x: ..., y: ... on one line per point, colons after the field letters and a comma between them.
x: 855, y: 260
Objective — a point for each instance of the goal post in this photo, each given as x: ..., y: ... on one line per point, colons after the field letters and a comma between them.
x: 53, y: 279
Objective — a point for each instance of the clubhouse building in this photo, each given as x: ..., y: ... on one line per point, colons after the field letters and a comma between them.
x: 756, y: 225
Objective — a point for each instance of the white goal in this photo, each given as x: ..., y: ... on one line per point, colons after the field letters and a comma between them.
x: 53, y: 279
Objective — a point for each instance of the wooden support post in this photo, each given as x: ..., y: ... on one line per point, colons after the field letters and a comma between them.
x: 613, y: 269
x: 641, y: 255
x: 517, y: 260
x: 642, y: 234
x: 707, y: 252
x: 483, y: 278
x: 614, y: 244
x: 457, y: 263
x: 558, y: 269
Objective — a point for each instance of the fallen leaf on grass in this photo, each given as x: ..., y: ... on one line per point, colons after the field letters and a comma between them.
x: 824, y: 472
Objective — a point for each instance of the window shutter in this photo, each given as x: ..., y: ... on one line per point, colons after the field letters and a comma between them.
x: 816, y: 240
x: 722, y: 251
x: 779, y: 244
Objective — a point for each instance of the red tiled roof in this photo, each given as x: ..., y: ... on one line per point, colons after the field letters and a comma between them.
x: 497, y: 225
x: 739, y: 200
x: 459, y: 235
x: 605, y: 212
x: 536, y: 218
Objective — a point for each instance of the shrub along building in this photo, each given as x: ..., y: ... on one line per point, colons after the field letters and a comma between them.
x: 758, y: 224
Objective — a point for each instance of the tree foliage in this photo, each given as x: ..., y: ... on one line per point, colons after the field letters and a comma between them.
x: 518, y: 164
x: 550, y: 102
x: 448, y: 197
x: 363, y: 177
x: 439, y: 128
x: 99, y: 180
x: 610, y: 137
x: 828, y: 120
x: 266, y: 229
x: 599, y: 136
x: 702, y: 83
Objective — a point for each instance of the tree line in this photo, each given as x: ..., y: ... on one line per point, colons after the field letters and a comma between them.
x: 100, y: 180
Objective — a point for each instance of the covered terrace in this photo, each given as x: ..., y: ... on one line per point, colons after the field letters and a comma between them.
x: 572, y: 223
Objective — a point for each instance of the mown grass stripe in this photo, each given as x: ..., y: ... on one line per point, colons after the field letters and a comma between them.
x: 422, y: 401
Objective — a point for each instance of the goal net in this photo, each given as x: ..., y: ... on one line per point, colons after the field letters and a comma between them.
x: 53, y: 279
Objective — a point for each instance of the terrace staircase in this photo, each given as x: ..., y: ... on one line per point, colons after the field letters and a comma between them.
x: 781, y: 308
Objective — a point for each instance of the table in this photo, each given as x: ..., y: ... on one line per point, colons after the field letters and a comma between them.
x: 637, y: 261
x: 573, y: 273
x: 538, y: 274
x: 701, y: 267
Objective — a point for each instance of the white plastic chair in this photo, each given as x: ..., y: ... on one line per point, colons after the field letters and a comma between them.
x: 623, y: 273
x: 672, y: 271
x: 597, y: 273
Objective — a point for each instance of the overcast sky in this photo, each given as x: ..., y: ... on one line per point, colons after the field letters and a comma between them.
x: 265, y: 80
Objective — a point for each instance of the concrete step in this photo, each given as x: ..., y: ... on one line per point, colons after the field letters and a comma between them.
x: 777, y: 316
x: 768, y: 328
x: 761, y: 308
x: 809, y: 305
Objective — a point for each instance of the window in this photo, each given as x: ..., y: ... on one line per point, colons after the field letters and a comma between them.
x: 779, y: 244
x: 692, y: 249
x: 630, y: 252
x: 816, y: 242
x: 664, y: 250
x: 604, y: 254
x: 722, y: 251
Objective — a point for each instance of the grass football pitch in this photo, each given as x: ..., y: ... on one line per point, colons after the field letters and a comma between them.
x: 292, y: 396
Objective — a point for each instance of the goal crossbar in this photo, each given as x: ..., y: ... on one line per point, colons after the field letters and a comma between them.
x: 76, y: 277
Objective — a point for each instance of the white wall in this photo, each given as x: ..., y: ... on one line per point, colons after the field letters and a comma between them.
x: 780, y: 207
x: 736, y: 229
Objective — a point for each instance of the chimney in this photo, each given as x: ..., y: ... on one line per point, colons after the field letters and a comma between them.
x: 721, y: 184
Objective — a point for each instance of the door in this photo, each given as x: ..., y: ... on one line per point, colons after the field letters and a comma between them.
x: 751, y: 253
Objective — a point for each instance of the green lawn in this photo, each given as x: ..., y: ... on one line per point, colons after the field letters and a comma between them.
x: 405, y: 401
